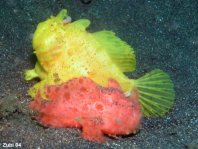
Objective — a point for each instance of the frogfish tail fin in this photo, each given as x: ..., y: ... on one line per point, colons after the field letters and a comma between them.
x: 156, y: 93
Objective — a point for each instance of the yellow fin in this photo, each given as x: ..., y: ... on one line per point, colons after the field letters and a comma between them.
x: 30, y: 74
x: 62, y: 14
x: 81, y: 24
x: 156, y: 93
x: 120, y: 52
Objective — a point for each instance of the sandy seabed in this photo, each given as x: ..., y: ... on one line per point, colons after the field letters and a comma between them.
x: 164, y: 34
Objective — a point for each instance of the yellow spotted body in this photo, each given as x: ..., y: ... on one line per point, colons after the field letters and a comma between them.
x: 66, y: 51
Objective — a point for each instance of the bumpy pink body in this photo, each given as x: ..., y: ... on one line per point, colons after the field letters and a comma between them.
x: 81, y: 103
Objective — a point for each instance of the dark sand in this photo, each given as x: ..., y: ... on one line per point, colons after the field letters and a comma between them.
x: 164, y: 35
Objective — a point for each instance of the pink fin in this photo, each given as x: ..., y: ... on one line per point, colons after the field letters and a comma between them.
x: 92, y: 132
x: 134, y: 95
x: 37, y: 103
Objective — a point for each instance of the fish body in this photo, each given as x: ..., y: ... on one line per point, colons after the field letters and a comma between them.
x: 81, y: 103
x: 65, y: 50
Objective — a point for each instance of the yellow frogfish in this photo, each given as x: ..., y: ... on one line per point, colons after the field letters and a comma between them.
x: 66, y: 50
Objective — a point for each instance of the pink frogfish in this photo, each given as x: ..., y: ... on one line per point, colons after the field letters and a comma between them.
x: 82, y: 103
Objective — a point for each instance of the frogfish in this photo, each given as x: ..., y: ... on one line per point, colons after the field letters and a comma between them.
x: 66, y: 50
x: 97, y: 110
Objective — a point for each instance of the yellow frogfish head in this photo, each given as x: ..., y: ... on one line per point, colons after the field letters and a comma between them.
x: 48, y: 39
x: 50, y: 31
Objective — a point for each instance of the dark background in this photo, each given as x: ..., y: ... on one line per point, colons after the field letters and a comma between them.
x: 163, y: 33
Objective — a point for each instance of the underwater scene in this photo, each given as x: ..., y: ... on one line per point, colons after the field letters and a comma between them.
x: 99, y: 74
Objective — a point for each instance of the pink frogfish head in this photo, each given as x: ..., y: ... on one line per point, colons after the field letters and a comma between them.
x: 97, y: 110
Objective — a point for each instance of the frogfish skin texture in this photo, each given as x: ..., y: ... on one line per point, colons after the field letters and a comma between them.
x: 81, y: 103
